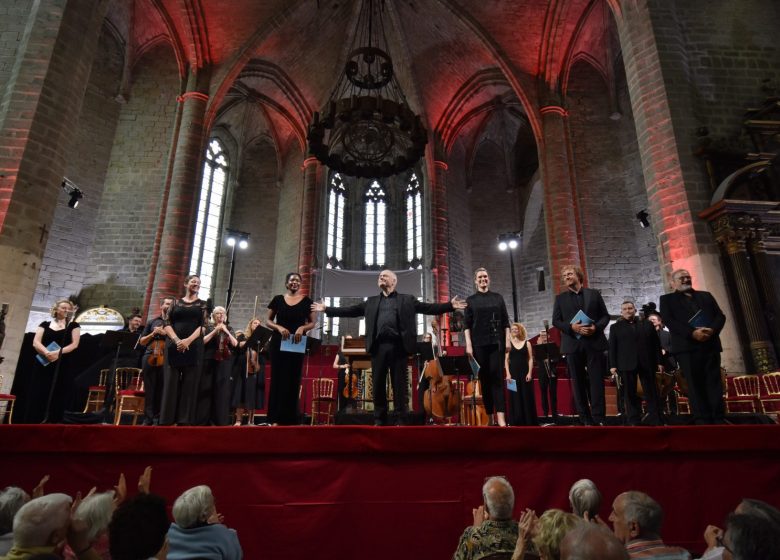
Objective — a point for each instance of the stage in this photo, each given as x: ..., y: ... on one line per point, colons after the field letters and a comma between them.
x: 347, y: 492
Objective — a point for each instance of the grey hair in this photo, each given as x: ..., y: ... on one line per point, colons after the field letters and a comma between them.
x: 645, y: 511
x: 37, y: 520
x: 96, y: 511
x: 584, y: 496
x: 193, y: 506
x: 11, y: 499
x: 499, y: 497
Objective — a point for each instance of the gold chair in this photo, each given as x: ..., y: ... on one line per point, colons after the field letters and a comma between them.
x: 129, y: 393
x: 9, y: 401
x: 770, y: 404
x: 97, y: 393
x: 322, y: 396
x: 748, y: 392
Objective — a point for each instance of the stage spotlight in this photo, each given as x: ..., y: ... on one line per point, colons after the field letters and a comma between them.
x: 643, y: 218
x: 75, y: 196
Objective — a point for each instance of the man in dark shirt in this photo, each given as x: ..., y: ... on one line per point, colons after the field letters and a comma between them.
x: 391, y: 334
x: 153, y: 339
x: 583, y: 343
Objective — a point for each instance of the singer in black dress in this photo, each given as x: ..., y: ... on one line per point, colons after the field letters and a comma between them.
x: 183, y: 356
x: 66, y: 334
x: 487, y: 333
x: 519, y: 364
x: 288, y: 315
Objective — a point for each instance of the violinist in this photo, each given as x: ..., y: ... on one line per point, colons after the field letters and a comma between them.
x: 347, y: 380
x: 214, y: 391
x: 153, y: 340
x: 431, y: 336
x: 249, y: 385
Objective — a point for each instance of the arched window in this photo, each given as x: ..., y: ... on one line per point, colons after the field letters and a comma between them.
x: 337, y: 196
x: 414, y: 242
x: 207, y: 226
x: 375, y: 225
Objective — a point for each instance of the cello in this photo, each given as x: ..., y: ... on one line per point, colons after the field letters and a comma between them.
x: 439, y: 400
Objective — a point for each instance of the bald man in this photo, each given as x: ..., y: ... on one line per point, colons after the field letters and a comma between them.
x: 391, y: 333
x: 588, y: 541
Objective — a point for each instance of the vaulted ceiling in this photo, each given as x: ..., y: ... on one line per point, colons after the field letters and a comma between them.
x: 454, y: 58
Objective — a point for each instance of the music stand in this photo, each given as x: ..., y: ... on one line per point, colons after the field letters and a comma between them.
x: 260, y: 337
x: 546, y: 354
x: 114, y: 340
x: 458, y: 366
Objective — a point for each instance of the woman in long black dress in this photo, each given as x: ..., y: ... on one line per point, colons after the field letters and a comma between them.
x: 288, y: 315
x: 184, y: 356
x: 487, y: 333
x: 66, y: 336
x: 519, y: 364
x: 214, y: 394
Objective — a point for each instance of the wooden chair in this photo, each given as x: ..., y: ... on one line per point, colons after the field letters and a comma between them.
x: 97, y: 393
x: 770, y: 404
x: 7, y: 402
x: 129, y: 393
x: 322, y: 397
x: 748, y: 392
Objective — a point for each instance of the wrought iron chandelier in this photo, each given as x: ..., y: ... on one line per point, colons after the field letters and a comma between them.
x: 366, y: 128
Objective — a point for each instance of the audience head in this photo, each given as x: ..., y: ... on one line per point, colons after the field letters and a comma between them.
x: 499, y: 498
x: 584, y: 497
x: 11, y: 500
x: 759, y: 508
x: 636, y: 515
x: 588, y: 541
x: 749, y: 537
x: 139, y: 528
x: 193, y: 507
x: 96, y: 511
x: 42, y: 521
x: 550, y: 530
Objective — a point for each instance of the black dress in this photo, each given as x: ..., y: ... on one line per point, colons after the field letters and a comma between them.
x: 183, y: 369
x: 286, y: 366
x: 215, y: 391
x: 248, y: 390
x: 43, y: 376
x: 523, y: 402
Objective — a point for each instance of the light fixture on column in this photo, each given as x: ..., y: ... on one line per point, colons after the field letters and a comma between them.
x: 511, y: 241
x: 366, y: 128
x: 234, y: 238
x: 643, y: 218
x: 73, y: 191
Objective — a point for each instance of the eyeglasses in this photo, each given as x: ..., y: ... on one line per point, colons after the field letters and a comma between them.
x: 720, y: 541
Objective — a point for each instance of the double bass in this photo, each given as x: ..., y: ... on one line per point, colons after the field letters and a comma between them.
x: 440, y: 400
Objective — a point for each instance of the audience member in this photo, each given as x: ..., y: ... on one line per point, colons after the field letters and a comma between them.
x: 749, y: 537
x: 589, y: 541
x: 550, y: 531
x: 493, y: 530
x: 636, y: 519
x: 585, y: 499
x: 713, y: 535
x: 40, y: 526
x: 95, y: 512
x: 198, y: 531
x: 138, y: 529
x: 11, y: 500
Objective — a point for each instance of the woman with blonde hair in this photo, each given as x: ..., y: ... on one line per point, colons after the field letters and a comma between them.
x: 519, y: 364
x: 249, y: 384
x: 215, y: 392
x: 53, y: 341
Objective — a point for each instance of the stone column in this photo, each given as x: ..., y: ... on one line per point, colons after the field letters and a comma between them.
x: 172, y: 252
x: 733, y: 236
x: 309, y: 238
x: 765, y: 280
x: 440, y: 232
x: 39, y: 113
x: 561, y: 208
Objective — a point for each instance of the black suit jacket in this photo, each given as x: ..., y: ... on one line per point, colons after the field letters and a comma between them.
x: 676, y: 316
x: 632, y: 348
x: 407, y: 307
x: 594, y: 307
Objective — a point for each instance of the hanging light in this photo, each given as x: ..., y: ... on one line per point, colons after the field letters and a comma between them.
x: 366, y: 128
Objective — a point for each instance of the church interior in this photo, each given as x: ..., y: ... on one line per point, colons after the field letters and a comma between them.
x: 630, y: 138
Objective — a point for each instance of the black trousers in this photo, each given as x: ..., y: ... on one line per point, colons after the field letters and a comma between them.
x: 491, y: 378
x: 180, y: 394
x: 153, y: 387
x: 705, y: 391
x: 388, y: 355
x: 588, y: 386
x: 548, y: 384
x: 633, y: 404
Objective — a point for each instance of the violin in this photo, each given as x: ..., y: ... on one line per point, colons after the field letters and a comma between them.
x: 157, y: 355
x: 350, y: 388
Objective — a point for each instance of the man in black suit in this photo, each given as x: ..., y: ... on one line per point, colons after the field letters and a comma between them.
x: 391, y: 334
x: 635, y: 350
x: 695, y: 321
x: 583, y: 343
